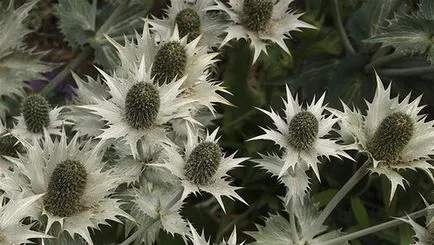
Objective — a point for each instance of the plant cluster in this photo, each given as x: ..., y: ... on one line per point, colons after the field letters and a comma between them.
x: 158, y: 132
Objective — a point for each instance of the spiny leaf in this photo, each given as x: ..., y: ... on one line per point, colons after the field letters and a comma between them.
x: 77, y: 20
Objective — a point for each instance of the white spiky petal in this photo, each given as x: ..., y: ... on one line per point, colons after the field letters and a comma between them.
x: 32, y: 173
x: 283, y: 21
x: 211, y: 28
x: 358, y: 129
x: 176, y: 162
x: 113, y: 111
x: 322, y: 146
x: 11, y: 215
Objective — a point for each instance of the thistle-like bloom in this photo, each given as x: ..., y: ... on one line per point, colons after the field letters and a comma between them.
x: 203, y: 167
x: 393, y: 133
x: 11, y: 215
x: 193, y: 19
x: 37, y: 116
x: 303, y: 134
x: 261, y: 21
x: 172, y: 58
x: 76, y: 190
x: 424, y: 234
x: 138, y: 109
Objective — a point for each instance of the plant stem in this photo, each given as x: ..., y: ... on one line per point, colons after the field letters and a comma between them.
x: 360, y: 173
x: 338, y: 22
x: 373, y: 229
x: 383, y: 60
x: 412, y: 71
x: 294, y: 231
x: 85, y: 53
x: 139, y: 146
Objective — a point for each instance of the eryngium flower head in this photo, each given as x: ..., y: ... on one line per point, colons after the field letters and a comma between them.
x: 202, y: 167
x: 424, y: 234
x: 76, y: 189
x: 138, y: 108
x: 261, y: 21
x: 170, y: 62
x: 392, y: 132
x: 35, y: 110
x: 303, y: 134
x: 193, y: 19
x: 36, y: 116
x: 12, y: 212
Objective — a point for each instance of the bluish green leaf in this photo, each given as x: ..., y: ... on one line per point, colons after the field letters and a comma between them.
x: 360, y: 212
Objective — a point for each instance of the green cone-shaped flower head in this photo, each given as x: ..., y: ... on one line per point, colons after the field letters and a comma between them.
x: 203, y: 163
x: 303, y: 130
x: 65, y: 188
x: 142, y: 105
x: 35, y: 110
x: 257, y: 14
x: 170, y: 61
x: 390, y: 138
x: 188, y: 21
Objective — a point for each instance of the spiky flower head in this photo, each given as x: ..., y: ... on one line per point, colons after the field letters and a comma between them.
x: 12, y: 212
x: 304, y: 136
x: 35, y: 110
x: 392, y: 132
x: 193, y: 19
x: 76, y: 190
x: 261, y: 22
x: 424, y: 234
x: 203, y: 167
x: 37, y: 116
x: 138, y: 108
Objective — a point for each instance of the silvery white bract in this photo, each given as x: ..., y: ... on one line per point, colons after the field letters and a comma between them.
x: 11, y: 214
x: 304, y: 136
x: 193, y: 19
x: 424, y: 234
x: 197, y: 239
x: 280, y: 231
x: 17, y: 63
x: 392, y: 132
x: 260, y: 22
x: 84, y: 122
x: 203, y: 167
x: 69, y: 175
x: 132, y: 115
x: 157, y: 207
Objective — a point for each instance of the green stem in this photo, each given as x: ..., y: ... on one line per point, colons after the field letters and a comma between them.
x: 85, y: 53
x: 294, y: 231
x: 107, y: 24
x: 360, y: 173
x: 139, y: 146
x: 338, y: 22
x: 383, y: 60
x: 412, y: 71
x: 373, y: 229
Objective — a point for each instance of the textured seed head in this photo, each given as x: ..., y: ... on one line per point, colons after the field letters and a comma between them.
x: 203, y: 163
x: 36, y: 109
x: 257, y: 14
x: 188, y: 22
x: 141, y: 105
x: 9, y: 146
x: 390, y: 138
x: 170, y: 61
x: 303, y: 129
x: 65, y: 188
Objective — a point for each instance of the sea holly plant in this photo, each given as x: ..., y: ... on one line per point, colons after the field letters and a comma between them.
x: 224, y: 122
